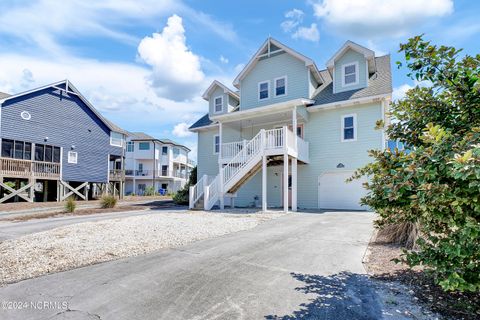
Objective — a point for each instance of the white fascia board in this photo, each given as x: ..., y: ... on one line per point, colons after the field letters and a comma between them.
x: 210, y: 126
x: 369, y: 54
x: 260, y: 111
x: 348, y: 103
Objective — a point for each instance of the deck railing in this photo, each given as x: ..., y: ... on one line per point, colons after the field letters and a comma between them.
x: 27, y: 168
x: 117, y: 174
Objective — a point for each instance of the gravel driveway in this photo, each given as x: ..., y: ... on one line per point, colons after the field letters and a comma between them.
x: 87, y: 243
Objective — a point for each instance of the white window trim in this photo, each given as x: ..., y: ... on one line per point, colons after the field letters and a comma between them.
x: 149, y: 147
x: 342, y: 133
x: 214, y: 105
x: 357, y: 74
x: 275, y: 86
x: 130, y: 143
x: 214, y: 138
x: 69, y: 158
x: 111, y: 139
x: 268, y: 90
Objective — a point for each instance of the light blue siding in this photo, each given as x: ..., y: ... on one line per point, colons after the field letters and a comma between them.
x: 267, y: 69
x: 207, y: 161
x: 67, y: 122
x: 350, y: 56
x: 218, y: 92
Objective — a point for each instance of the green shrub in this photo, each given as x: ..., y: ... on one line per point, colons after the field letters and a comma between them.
x: 149, y: 191
x: 182, y: 195
x: 108, y: 201
x: 70, y: 205
x: 435, y: 183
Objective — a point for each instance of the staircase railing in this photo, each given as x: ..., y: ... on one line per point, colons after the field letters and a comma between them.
x: 242, y: 158
x: 197, y: 191
x: 212, y: 192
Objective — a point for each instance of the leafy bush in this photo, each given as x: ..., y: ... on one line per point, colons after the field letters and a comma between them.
x: 108, y: 201
x: 150, y: 191
x: 70, y: 205
x: 436, y: 184
x: 182, y: 196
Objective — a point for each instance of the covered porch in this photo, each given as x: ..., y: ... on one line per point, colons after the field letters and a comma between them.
x: 280, y: 144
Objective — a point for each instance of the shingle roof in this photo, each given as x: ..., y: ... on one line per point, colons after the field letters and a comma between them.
x: 4, y: 95
x: 202, y: 122
x: 378, y: 83
x: 141, y: 136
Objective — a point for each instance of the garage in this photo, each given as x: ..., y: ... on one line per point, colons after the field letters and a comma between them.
x: 335, y: 193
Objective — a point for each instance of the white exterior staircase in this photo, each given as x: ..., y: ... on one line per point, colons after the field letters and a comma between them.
x: 245, y: 164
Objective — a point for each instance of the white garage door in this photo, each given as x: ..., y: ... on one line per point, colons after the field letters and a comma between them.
x: 335, y: 193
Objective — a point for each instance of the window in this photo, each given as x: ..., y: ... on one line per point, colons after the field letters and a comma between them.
x: 176, y: 152
x: 72, y: 157
x: 216, y: 144
x: 164, y: 170
x: 140, y: 167
x: 280, y: 86
x: 48, y: 153
x: 39, y: 152
x: 18, y: 149
x: 56, y: 154
x: 144, y: 146
x: 27, y: 155
x: 116, y: 139
x: 165, y: 151
x: 218, y: 104
x: 349, y: 131
x: 130, y: 146
x: 263, y: 89
x: 7, y: 148
x: 350, y: 74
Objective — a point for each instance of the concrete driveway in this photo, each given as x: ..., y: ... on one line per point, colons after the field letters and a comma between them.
x: 303, y: 265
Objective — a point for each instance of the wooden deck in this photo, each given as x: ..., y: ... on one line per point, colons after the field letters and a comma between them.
x: 17, y: 168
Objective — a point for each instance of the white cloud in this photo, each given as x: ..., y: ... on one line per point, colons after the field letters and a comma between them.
x: 379, y: 17
x: 181, y: 130
x: 399, y: 92
x: 176, y: 73
x: 223, y: 60
x: 294, y: 18
x: 310, y: 34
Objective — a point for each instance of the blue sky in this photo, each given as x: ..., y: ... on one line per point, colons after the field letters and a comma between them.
x: 144, y: 64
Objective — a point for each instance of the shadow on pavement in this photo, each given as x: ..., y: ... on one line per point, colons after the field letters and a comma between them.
x: 340, y: 296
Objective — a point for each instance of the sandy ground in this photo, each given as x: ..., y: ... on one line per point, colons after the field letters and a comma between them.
x: 87, y: 243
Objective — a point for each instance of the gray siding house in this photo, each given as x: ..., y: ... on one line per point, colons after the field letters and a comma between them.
x: 54, y: 144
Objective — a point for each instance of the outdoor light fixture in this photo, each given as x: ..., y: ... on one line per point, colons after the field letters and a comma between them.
x: 72, y: 147
x: 45, y: 139
x: 340, y: 165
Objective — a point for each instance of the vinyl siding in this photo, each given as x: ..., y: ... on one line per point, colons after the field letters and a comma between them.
x: 67, y: 122
x: 267, y: 69
x: 218, y: 92
x: 207, y: 161
x: 349, y: 57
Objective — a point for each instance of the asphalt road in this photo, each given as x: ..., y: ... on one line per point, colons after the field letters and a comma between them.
x: 302, y: 265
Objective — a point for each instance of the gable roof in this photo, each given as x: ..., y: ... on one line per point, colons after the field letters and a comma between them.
x: 215, y: 84
x: 281, y: 47
x: 4, y: 95
x: 69, y: 88
x: 380, y: 83
x: 350, y: 45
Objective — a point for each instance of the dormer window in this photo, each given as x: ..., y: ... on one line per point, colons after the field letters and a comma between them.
x: 350, y: 74
x: 280, y: 86
x: 263, y: 90
x: 218, y: 104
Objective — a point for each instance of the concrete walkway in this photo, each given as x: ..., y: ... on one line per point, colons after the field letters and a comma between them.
x: 301, y: 265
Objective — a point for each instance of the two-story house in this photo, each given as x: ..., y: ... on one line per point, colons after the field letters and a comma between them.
x: 291, y: 134
x: 161, y: 163
x: 55, y: 144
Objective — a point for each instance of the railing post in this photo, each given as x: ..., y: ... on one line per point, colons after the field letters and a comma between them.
x: 263, y: 140
x: 285, y: 138
x: 191, y: 190
x: 206, y: 195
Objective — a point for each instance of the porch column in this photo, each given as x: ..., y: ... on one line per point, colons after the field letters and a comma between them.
x: 294, y: 126
x: 294, y: 184
x: 285, y: 182
x: 264, y: 183
x: 222, y: 195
